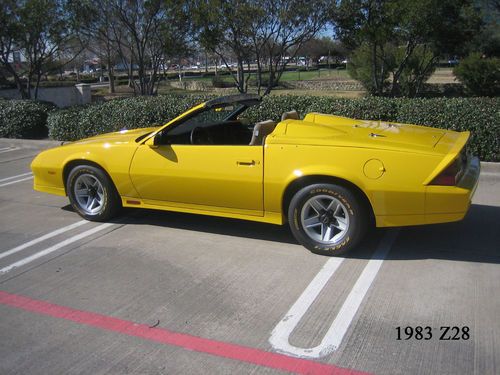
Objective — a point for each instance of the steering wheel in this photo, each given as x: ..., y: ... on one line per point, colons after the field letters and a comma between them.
x: 200, y: 136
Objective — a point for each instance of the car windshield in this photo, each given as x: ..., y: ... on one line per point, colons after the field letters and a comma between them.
x: 208, y: 117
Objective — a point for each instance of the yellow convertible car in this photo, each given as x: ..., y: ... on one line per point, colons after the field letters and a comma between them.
x: 329, y: 177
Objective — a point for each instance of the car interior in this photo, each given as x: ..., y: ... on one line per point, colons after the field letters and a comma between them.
x: 222, y: 125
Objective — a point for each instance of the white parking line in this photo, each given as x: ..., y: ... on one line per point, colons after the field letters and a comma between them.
x: 55, y: 247
x: 43, y: 238
x: 16, y: 181
x: 9, y: 149
x: 333, y: 337
x: 16, y: 176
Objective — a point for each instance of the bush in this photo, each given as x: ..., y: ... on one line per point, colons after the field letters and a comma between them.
x: 481, y: 76
x: 360, y: 68
x: 85, y: 121
x: 24, y: 118
x: 252, y: 81
x: 219, y: 82
x: 479, y: 115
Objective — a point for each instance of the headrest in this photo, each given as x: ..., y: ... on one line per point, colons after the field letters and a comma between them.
x: 292, y: 115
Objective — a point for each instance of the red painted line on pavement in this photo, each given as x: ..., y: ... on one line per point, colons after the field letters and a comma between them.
x: 164, y: 336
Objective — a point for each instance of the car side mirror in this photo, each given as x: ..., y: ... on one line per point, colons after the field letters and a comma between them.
x: 157, y: 139
x: 154, y: 142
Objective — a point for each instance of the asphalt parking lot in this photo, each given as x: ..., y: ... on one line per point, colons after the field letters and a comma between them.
x: 168, y: 293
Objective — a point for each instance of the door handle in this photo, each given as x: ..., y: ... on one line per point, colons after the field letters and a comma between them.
x: 247, y: 163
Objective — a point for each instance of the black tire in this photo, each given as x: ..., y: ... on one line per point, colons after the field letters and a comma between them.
x: 347, y: 228
x: 107, y: 202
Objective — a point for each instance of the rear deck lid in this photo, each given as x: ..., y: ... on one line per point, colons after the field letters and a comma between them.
x: 405, y: 135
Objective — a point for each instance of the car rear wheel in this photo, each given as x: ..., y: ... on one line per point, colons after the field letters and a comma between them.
x: 92, y: 193
x: 327, y: 219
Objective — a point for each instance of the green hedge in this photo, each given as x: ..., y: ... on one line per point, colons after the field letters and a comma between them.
x: 479, y: 115
x: 85, y: 121
x: 23, y: 118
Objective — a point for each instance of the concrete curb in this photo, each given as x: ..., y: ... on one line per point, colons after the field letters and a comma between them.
x: 490, y: 167
x: 30, y: 143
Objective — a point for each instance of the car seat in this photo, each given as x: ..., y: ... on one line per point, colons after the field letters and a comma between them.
x: 260, y: 131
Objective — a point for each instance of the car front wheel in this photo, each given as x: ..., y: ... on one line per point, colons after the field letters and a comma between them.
x: 92, y: 193
x: 327, y: 219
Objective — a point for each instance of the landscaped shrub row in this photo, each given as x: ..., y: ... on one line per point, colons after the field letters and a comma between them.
x: 23, y: 118
x: 479, y: 115
x: 84, y: 121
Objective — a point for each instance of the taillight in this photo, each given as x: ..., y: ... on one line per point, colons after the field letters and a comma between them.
x: 451, y: 175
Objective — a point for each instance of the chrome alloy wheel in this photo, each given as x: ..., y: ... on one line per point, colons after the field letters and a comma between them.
x: 89, y: 194
x: 325, y: 219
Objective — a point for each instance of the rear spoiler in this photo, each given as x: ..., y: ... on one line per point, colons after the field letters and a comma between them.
x: 456, y: 142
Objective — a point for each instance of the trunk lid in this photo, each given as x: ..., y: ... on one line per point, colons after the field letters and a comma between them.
x: 403, y: 135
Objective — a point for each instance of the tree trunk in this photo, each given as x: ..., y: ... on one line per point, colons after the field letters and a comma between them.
x: 374, y: 70
x: 241, y: 76
x: 21, y: 89
x: 37, y: 85
x: 28, y: 87
x: 271, y: 77
x: 259, y: 75
x: 397, y: 75
x: 111, y: 78
x: 17, y: 80
x: 131, y: 74
x: 142, y: 77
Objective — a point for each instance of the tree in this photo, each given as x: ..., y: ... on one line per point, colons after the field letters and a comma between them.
x: 405, y: 38
x: 146, y: 32
x: 9, y: 36
x: 487, y: 41
x: 39, y: 31
x: 286, y: 26
x: 480, y: 75
x: 367, y: 66
x: 495, y: 4
x: 319, y: 47
x: 96, y: 33
x: 367, y: 25
x: 269, y: 32
x: 225, y: 30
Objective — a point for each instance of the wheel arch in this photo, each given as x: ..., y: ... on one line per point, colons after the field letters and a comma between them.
x: 76, y: 162
x: 301, y: 182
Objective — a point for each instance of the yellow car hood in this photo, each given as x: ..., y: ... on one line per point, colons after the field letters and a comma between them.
x: 119, y: 137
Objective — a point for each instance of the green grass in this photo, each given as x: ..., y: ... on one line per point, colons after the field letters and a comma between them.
x: 442, y: 75
x: 336, y: 94
x: 340, y: 74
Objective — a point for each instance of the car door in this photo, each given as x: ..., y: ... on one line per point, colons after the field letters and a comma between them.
x: 226, y: 178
